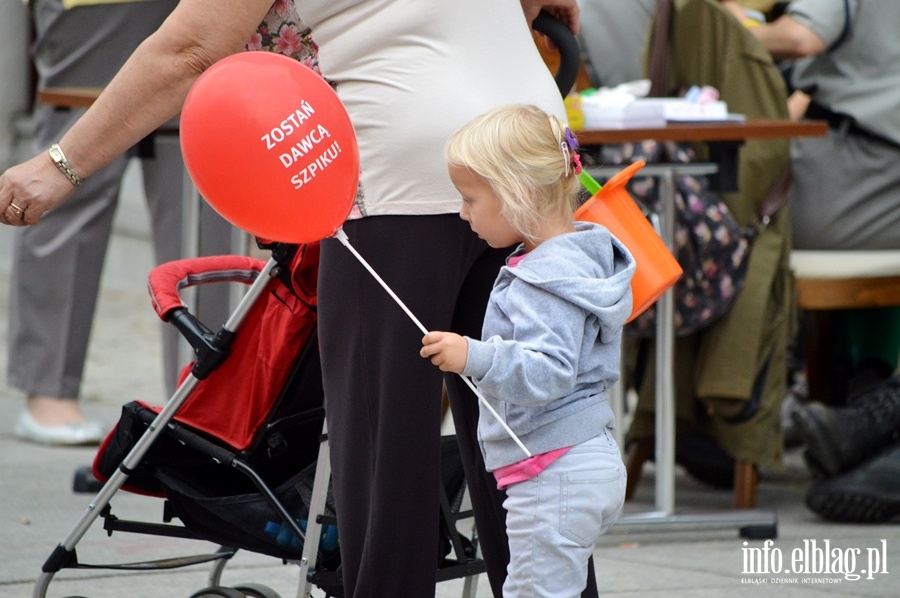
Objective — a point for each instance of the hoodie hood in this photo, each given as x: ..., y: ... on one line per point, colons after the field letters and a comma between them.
x: 589, y: 267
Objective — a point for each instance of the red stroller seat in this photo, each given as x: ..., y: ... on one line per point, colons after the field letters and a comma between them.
x: 267, y: 372
x: 240, y: 452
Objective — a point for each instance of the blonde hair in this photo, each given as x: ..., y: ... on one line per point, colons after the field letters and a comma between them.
x: 518, y: 150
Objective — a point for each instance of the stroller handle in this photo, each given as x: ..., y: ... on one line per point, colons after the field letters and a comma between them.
x: 166, y: 280
x: 569, y: 51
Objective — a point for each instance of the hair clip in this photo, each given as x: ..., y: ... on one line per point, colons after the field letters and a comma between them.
x: 576, y: 163
x: 570, y: 153
x: 567, y: 159
x: 571, y: 141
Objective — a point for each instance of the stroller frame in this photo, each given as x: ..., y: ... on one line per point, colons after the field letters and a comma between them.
x: 212, y: 350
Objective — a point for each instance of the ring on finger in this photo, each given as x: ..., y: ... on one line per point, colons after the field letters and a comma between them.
x: 16, y: 209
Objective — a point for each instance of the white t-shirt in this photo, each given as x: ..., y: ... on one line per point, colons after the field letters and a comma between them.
x: 411, y: 72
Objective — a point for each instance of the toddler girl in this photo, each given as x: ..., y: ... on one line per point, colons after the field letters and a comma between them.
x: 550, y: 345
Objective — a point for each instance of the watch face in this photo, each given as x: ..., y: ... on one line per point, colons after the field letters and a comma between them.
x: 55, y: 154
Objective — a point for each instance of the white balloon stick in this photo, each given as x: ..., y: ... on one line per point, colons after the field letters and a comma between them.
x: 342, y: 237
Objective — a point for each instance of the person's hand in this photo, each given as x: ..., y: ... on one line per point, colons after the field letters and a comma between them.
x: 30, y: 189
x: 566, y: 11
x: 447, y: 350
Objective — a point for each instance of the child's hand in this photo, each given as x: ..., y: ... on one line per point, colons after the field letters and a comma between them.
x: 447, y: 350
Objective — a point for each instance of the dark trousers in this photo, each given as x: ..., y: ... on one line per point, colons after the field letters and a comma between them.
x: 383, y: 401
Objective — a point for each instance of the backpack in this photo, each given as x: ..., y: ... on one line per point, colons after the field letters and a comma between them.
x: 710, y: 245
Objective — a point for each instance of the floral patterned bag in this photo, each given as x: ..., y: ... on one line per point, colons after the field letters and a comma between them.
x: 711, y: 246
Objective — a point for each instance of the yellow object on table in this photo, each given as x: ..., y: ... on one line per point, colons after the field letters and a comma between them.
x: 574, y: 114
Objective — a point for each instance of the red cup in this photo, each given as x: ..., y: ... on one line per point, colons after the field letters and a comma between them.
x: 656, y: 268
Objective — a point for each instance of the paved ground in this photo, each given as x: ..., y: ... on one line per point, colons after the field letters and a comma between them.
x: 38, y: 508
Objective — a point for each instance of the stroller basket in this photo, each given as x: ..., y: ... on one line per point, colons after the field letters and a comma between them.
x: 208, y: 486
x: 248, y: 520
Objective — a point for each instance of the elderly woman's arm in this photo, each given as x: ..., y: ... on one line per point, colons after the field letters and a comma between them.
x: 148, y: 90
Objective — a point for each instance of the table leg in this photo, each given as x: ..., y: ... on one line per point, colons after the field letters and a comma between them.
x: 726, y: 156
x: 665, y: 362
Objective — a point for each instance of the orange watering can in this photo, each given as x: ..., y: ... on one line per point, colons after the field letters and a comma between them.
x: 613, y: 207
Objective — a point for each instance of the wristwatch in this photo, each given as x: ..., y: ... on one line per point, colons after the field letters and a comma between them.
x: 59, y: 158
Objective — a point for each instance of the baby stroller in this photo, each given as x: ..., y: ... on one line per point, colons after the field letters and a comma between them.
x: 239, y: 452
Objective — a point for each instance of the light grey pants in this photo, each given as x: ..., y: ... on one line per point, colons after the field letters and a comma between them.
x: 553, y: 520
x: 57, y: 265
x: 846, y: 192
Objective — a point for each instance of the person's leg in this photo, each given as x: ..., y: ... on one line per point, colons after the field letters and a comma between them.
x: 382, y: 400
x: 555, y: 519
x: 844, y: 193
x: 50, y: 305
x: 57, y: 265
x: 487, y: 500
x: 53, y: 292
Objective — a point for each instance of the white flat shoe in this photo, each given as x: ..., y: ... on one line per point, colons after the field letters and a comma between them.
x: 88, y: 433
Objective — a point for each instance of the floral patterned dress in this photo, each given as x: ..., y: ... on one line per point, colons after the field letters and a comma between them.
x: 282, y: 32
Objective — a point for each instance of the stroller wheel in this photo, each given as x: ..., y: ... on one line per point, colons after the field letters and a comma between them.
x: 255, y: 590
x: 221, y: 592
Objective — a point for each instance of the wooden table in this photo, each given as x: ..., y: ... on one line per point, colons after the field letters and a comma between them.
x: 65, y: 98
x: 69, y: 97
x: 724, y: 139
x: 712, y: 131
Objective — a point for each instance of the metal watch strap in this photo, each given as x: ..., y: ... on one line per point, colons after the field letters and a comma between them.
x: 63, y: 165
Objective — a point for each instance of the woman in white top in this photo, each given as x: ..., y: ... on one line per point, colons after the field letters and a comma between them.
x: 453, y: 62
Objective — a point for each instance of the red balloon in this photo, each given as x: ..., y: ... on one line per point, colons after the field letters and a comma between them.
x: 269, y: 145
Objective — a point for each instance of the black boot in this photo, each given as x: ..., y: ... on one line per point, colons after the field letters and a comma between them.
x: 838, y: 438
x: 868, y: 494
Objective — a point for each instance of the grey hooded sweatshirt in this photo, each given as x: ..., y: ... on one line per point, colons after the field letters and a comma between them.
x: 552, y: 336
